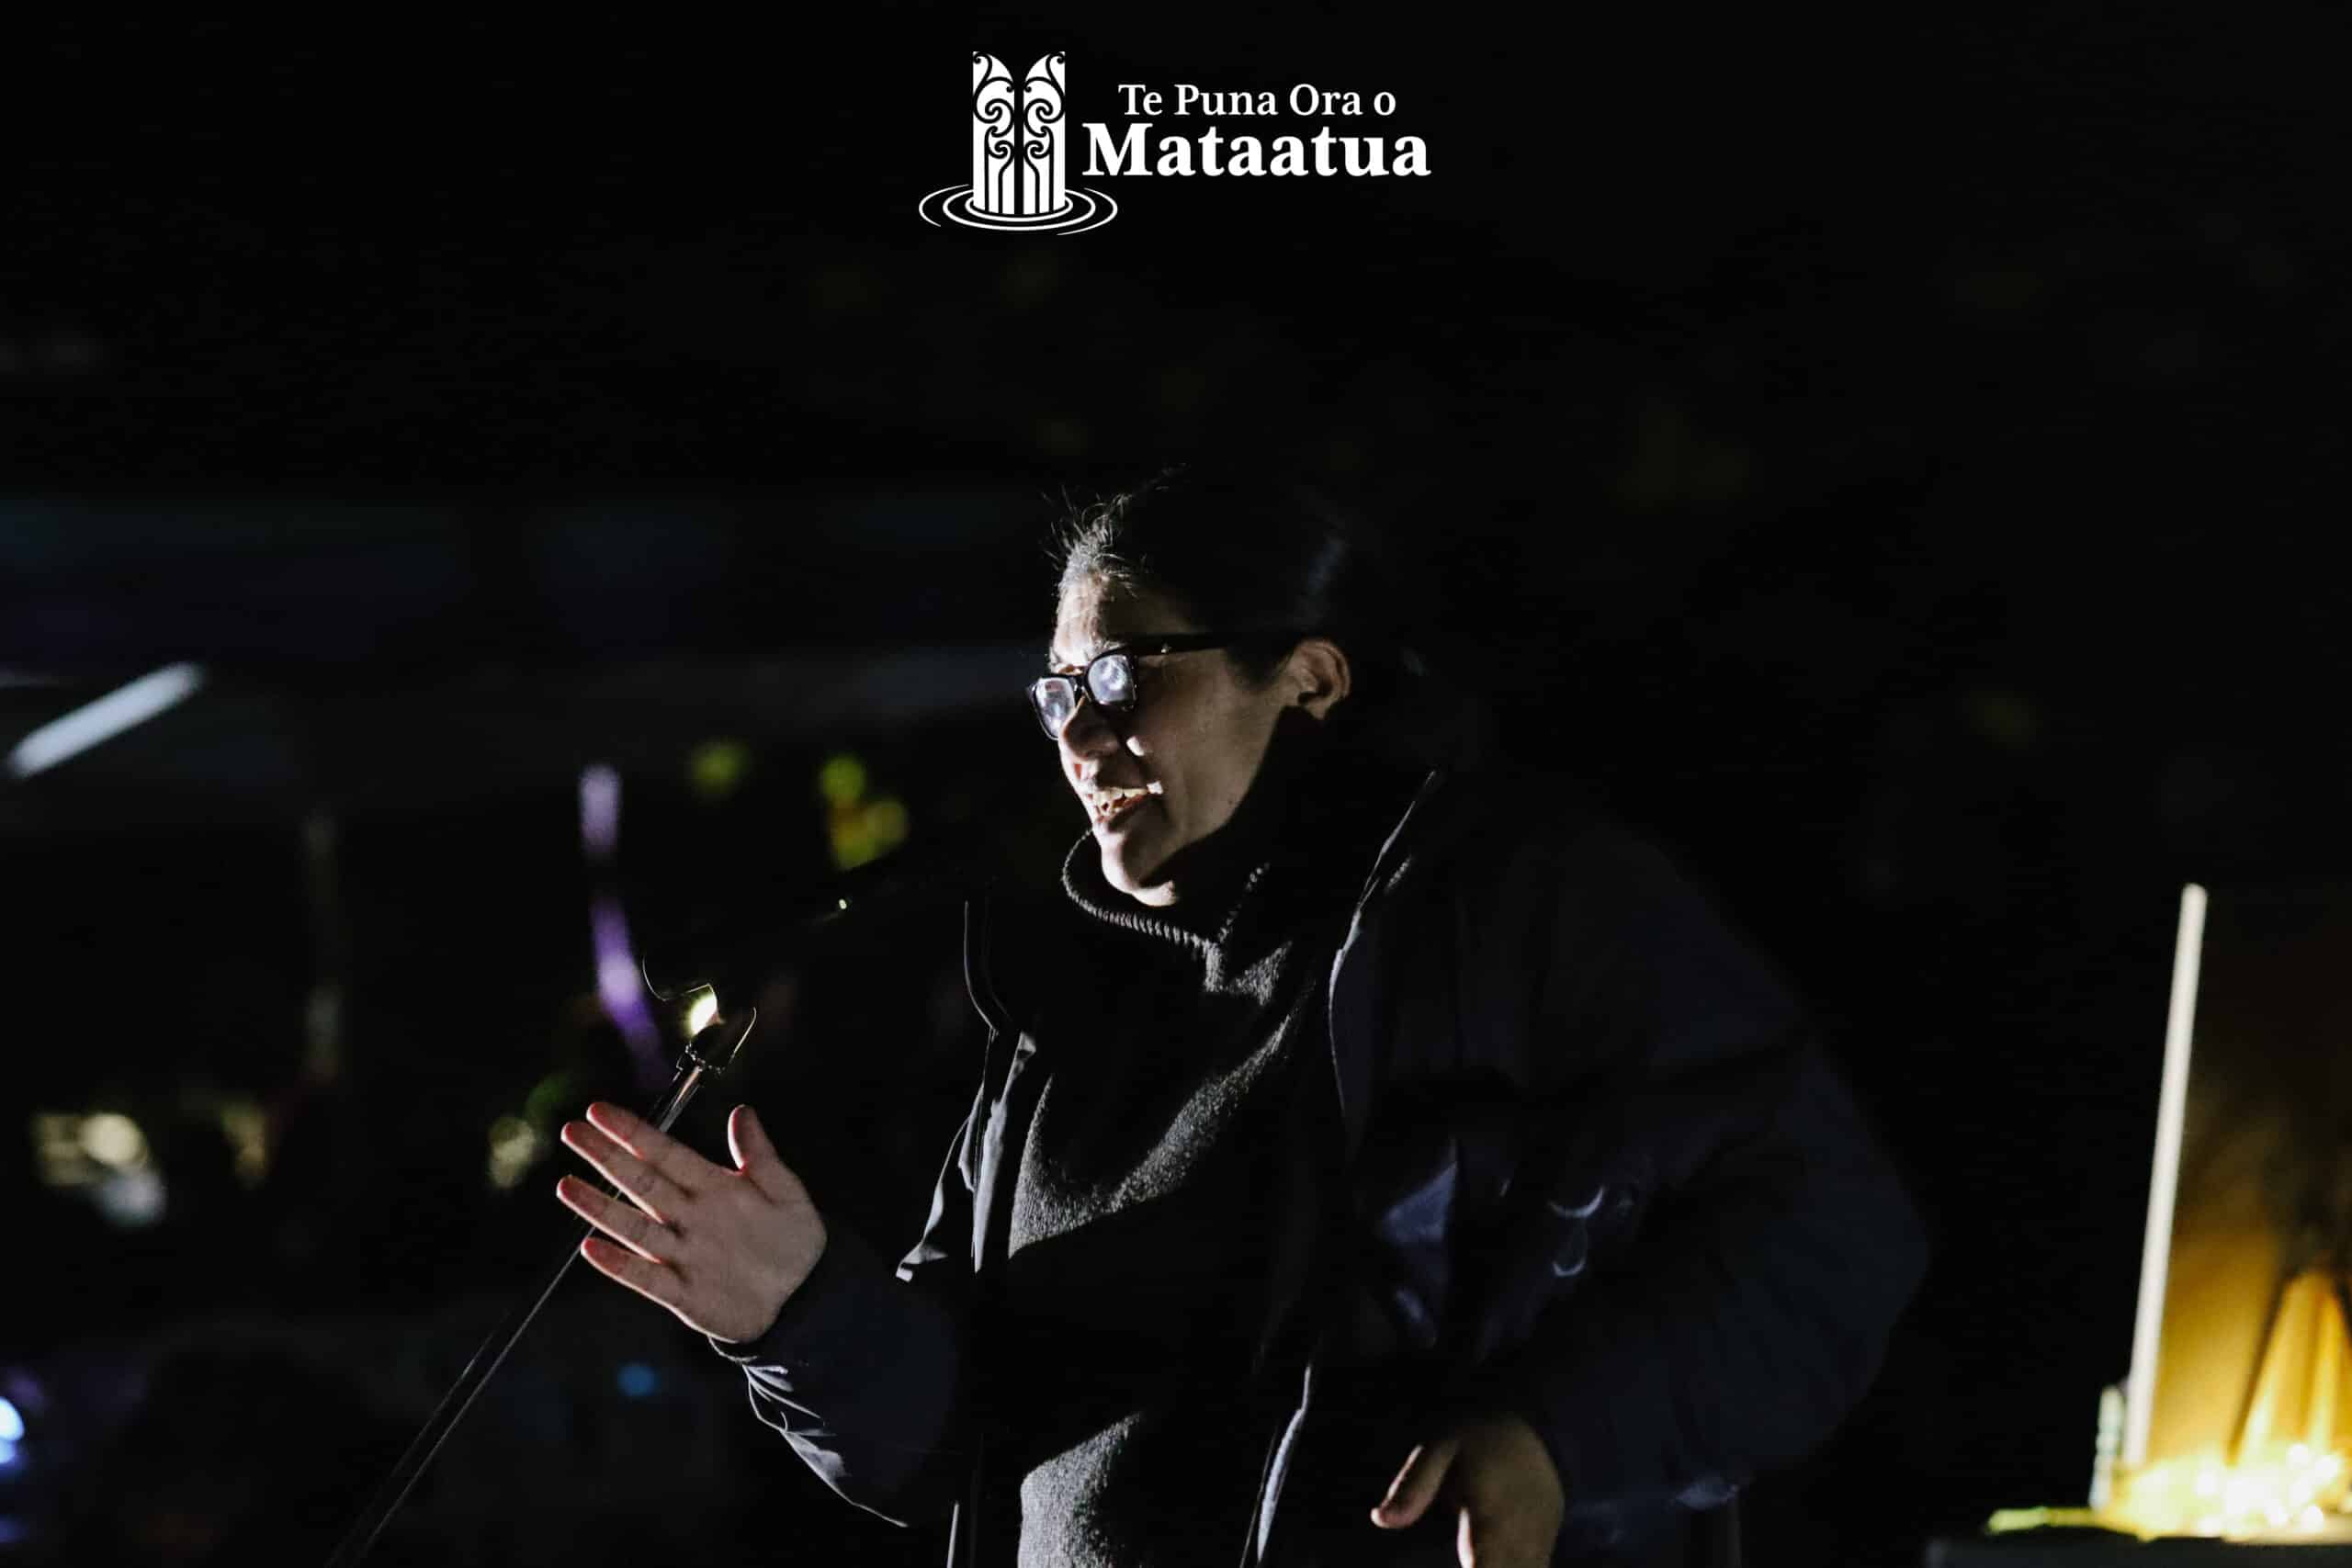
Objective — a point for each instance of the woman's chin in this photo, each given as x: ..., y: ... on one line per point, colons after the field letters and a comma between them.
x: 1131, y: 867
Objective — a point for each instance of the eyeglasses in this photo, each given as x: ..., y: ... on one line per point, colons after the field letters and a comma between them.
x: 1109, y: 678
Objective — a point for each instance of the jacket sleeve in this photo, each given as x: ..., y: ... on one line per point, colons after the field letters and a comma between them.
x: 865, y: 1373
x: 1744, y: 1310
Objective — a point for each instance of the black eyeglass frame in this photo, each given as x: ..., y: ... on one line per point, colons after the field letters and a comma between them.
x: 1082, y: 684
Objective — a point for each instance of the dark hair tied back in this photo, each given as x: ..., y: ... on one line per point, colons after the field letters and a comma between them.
x: 1274, y: 560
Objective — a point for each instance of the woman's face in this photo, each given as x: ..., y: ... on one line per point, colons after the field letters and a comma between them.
x: 1190, y: 745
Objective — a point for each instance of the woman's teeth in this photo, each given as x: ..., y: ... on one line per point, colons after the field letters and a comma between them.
x: 1113, y: 803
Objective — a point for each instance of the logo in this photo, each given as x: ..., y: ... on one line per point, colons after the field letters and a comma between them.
x: 1019, y: 158
x: 1021, y: 133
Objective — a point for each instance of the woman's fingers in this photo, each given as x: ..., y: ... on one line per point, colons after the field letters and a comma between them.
x: 677, y: 1162
x: 1416, y: 1486
x: 724, y: 1253
x: 627, y: 1225
x: 646, y: 1188
x: 652, y: 1281
x: 755, y: 1157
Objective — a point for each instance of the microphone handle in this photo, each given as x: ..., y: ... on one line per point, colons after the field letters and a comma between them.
x: 692, y: 1068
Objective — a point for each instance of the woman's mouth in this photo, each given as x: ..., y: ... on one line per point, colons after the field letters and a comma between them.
x: 1113, y: 807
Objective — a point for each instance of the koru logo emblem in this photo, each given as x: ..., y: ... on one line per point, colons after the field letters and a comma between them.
x: 1020, y: 148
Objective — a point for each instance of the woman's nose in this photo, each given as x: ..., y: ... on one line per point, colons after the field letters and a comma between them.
x: 1088, y: 735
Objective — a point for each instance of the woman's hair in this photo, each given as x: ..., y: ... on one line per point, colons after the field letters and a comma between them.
x: 1273, y: 561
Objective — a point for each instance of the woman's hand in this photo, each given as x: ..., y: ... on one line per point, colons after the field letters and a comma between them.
x: 1504, y: 1480
x: 723, y: 1249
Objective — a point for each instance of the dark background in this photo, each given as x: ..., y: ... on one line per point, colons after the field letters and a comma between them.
x: 1894, y: 459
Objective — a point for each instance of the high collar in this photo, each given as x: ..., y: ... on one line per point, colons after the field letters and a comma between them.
x: 1297, y: 848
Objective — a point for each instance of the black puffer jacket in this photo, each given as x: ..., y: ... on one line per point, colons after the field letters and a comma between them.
x: 1596, y: 1170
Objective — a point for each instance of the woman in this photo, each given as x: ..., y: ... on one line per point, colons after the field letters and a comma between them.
x: 1377, y: 1157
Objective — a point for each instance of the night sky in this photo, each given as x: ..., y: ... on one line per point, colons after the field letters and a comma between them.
x: 1897, y: 460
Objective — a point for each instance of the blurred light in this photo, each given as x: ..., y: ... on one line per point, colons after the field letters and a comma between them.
x: 715, y: 767
x: 637, y: 1380
x: 842, y: 781
x: 615, y: 980
x: 131, y: 1198
x: 704, y: 1007
x: 24, y: 1392
x: 7, y: 1453
x: 247, y: 1130
x: 12, y: 1423
x: 548, y: 1099
x: 322, y: 1032
x: 600, y: 809
x: 57, y: 1150
x: 88, y: 725
x: 107, y: 1156
x: 867, y: 832
x: 859, y: 830
x: 114, y: 1139
x: 2204, y: 1492
x: 513, y: 1144
x: 619, y: 986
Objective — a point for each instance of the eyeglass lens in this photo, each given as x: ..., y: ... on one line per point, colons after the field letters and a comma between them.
x: 1110, y: 681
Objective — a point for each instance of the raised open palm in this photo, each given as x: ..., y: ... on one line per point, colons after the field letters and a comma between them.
x: 722, y: 1248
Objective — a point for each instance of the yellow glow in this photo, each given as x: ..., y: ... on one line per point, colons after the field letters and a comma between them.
x: 106, y: 1157
x: 2302, y: 1385
x: 866, y: 832
x: 57, y: 1149
x: 842, y: 781
x: 2292, y: 1467
x: 247, y: 1130
x: 2280, y: 1488
x: 853, y: 845
x: 114, y: 1139
x: 2004, y: 1520
x: 513, y: 1144
x: 701, y: 1011
x: 715, y: 767
x: 55, y: 1133
x: 546, y: 1104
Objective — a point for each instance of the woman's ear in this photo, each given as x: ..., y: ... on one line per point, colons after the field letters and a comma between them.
x: 1319, y: 675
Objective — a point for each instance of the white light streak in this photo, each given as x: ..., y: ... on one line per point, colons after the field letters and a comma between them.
x: 119, y: 710
x: 2172, y: 1105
